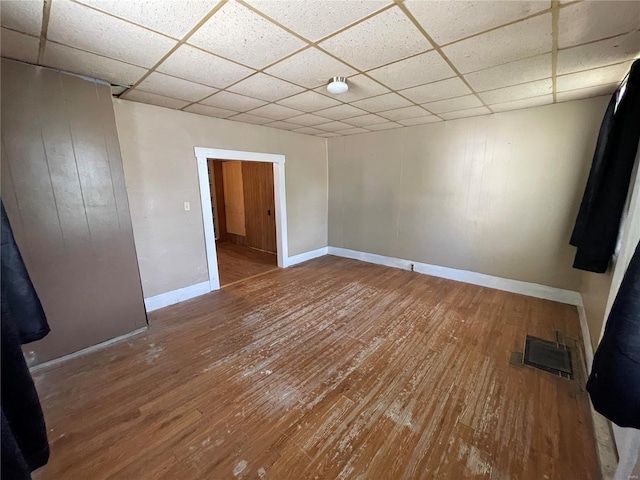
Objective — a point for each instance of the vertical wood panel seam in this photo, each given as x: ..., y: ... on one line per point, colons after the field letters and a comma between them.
x: 75, y: 157
x: 106, y: 151
x: 46, y: 161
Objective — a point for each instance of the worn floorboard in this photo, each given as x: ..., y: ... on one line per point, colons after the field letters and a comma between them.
x: 237, y: 262
x: 333, y: 369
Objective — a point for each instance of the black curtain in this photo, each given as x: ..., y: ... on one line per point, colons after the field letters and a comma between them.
x: 24, y: 434
x: 614, y: 384
x: 598, y: 223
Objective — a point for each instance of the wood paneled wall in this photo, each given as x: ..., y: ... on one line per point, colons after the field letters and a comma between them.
x: 64, y: 191
x: 234, y: 197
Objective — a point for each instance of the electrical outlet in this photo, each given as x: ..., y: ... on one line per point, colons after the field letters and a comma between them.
x: 187, y: 206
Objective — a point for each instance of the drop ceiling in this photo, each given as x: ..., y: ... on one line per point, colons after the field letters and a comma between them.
x: 267, y: 62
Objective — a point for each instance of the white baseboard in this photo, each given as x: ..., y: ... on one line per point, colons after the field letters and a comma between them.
x: 85, y: 351
x: 586, y: 337
x: 175, y: 296
x: 515, y: 286
x: 303, y: 257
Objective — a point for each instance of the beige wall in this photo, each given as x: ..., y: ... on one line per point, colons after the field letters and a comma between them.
x: 496, y: 194
x: 161, y: 174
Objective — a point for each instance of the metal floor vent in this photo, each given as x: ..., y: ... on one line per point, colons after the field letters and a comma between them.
x: 553, y: 357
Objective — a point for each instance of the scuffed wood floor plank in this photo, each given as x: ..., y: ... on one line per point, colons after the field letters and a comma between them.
x: 334, y: 369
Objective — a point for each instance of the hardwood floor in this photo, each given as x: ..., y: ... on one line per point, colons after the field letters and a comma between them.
x: 333, y: 369
x: 237, y: 262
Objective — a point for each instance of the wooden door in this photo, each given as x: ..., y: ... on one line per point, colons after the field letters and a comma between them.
x: 260, y: 214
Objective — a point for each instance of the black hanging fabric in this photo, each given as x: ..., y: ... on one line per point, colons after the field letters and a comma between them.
x: 598, y: 222
x: 24, y: 434
x: 614, y: 383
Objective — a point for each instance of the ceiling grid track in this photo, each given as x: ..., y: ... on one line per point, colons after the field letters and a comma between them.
x: 380, y: 82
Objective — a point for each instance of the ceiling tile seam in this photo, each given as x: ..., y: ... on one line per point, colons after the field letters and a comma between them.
x: 555, y: 21
x: 101, y: 56
x: 366, y: 74
x: 492, y: 29
x: 596, y: 68
x: 130, y: 22
x: 226, y: 89
x: 46, y: 13
x: 311, y: 42
x: 202, y: 21
x: 610, y: 84
x: 19, y: 31
x: 439, y: 50
x: 316, y: 45
x: 520, y: 99
x: 599, y: 40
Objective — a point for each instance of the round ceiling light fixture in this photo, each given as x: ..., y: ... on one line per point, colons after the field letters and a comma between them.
x: 337, y: 85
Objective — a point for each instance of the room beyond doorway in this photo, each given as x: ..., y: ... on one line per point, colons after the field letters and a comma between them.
x: 243, y: 211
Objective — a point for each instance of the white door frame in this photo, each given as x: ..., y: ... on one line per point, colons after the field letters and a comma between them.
x: 202, y: 154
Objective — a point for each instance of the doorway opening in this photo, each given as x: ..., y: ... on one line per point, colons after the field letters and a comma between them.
x: 202, y: 155
x: 244, y: 223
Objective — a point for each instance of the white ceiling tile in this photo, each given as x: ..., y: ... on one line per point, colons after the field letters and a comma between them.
x: 209, y: 111
x: 23, y: 16
x: 202, y: 67
x: 507, y: 44
x: 354, y: 131
x: 310, y: 68
x: 384, y: 126
x: 420, y: 120
x: 153, y: 99
x: 309, y: 101
x: 384, y: 38
x: 341, y: 112
x: 87, y: 29
x: 248, y: 118
x: 334, y: 126
x: 175, y: 87
x: 471, y: 112
x: 315, y: 19
x: 404, y: 113
x: 360, y: 87
x: 524, y: 103
x: 19, y: 46
x: 521, y: 71
x: 591, y: 78
x: 237, y: 33
x: 387, y: 101
x: 233, y: 101
x: 275, y: 112
x: 328, y: 135
x: 365, y: 120
x: 587, y: 21
x: 517, y: 92
x: 586, y: 92
x: 282, y: 125
x: 170, y: 17
x: 266, y: 88
x: 453, y: 87
x: 453, y: 104
x: 308, y: 120
x: 424, y: 68
x: 91, y: 65
x: 599, y: 54
x: 308, y: 130
x: 447, y: 21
